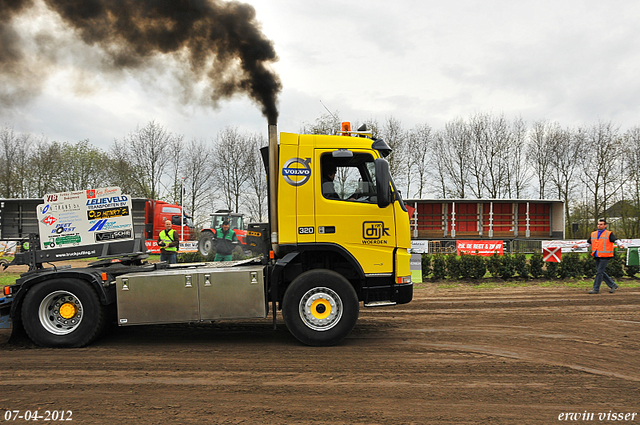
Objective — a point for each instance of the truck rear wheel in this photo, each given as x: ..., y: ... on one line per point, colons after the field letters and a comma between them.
x: 320, y: 308
x: 205, y: 243
x: 62, y: 313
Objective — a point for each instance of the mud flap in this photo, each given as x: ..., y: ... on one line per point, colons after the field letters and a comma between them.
x: 17, y: 334
x: 5, y: 308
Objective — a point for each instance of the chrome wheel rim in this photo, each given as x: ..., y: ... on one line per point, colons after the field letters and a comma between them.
x: 60, y: 312
x: 321, y: 309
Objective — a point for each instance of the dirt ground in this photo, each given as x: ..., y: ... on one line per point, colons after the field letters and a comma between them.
x: 452, y: 356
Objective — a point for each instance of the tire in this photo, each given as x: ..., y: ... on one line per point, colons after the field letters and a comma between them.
x: 320, y: 308
x: 62, y: 313
x: 205, y: 243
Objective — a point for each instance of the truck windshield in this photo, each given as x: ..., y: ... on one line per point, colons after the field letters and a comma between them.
x: 175, y: 220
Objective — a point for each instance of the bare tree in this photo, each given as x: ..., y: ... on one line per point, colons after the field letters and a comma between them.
x: 87, y: 168
x: 150, y: 154
x: 631, y: 216
x: 566, y: 163
x: 174, y: 189
x: 122, y: 173
x: 602, y: 164
x: 256, y: 199
x: 452, y: 158
x: 543, y: 137
x: 372, y: 126
x: 231, y: 158
x: 45, y: 163
x: 420, y: 141
x: 515, y: 164
x: 13, y: 148
x: 328, y: 123
x: 396, y: 137
x: 197, y: 167
x: 491, y: 140
x: 437, y: 165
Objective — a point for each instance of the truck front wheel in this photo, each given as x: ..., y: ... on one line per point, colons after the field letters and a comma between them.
x: 62, y: 313
x: 205, y: 243
x: 320, y: 308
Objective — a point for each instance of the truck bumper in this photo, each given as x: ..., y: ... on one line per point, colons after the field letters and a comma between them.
x: 404, y: 293
x: 375, y: 296
x: 5, y: 308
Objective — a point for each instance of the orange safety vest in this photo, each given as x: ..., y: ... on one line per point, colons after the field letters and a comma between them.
x: 602, y: 244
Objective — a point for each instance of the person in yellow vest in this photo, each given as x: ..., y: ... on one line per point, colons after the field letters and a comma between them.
x: 602, y: 241
x: 168, y: 241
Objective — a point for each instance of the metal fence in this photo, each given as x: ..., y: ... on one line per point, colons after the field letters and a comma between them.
x: 442, y: 247
x: 526, y: 247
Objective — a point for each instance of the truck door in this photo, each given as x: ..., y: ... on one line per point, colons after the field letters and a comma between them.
x: 347, y: 213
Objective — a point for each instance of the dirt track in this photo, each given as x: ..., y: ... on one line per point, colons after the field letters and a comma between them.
x: 499, y: 356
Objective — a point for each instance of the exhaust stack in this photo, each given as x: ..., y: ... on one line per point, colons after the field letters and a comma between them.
x: 273, y: 185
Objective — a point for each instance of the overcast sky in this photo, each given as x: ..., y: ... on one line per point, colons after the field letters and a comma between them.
x: 574, y: 62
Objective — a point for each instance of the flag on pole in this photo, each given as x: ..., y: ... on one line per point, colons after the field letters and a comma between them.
x: 552, y: 254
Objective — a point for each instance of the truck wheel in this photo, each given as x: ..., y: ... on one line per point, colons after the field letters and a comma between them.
x: 205, y: 244
x: 320, y: 307
x: 62, y: 313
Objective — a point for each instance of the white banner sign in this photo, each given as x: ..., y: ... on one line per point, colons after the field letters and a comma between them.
x: 419, y: 247
x: 567, y: 246
x: 85, y: 217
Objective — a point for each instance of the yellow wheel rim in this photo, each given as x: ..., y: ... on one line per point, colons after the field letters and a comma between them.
x: 68, y: 310
x: 320, y: 309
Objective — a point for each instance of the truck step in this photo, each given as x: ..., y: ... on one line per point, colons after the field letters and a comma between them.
x: 380, y: 303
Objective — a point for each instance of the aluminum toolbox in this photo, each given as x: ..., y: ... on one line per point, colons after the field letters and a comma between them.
x: 191, y: 294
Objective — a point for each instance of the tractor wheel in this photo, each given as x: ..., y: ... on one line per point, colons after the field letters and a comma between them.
x: 205, y: 243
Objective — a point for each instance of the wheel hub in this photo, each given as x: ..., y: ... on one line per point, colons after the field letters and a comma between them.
x: 68, y: 310
x: 60, y: 312
x: 321, y: 309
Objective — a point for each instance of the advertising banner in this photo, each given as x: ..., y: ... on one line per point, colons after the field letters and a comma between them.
x: 419, y: 246
x: 84, y: 217
x: 485, y: 248
x: 416, y: 268
x: 567, y: 245
x: 187, y: 246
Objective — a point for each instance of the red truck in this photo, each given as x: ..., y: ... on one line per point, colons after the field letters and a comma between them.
x: 156, y: 213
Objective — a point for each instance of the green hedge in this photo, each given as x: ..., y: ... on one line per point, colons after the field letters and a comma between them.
x: 519, y: 266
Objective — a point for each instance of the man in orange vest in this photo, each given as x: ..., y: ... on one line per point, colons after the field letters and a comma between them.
x: 602, y: 241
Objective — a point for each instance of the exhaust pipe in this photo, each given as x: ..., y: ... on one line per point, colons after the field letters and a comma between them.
x: 274, y: 172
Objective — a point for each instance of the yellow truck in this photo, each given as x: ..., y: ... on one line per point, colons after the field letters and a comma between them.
x: 338, y: 235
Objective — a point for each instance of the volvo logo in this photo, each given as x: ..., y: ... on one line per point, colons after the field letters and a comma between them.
x: 298, y: 174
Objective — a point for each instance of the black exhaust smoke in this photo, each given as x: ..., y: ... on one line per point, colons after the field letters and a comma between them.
x: 215, y: 44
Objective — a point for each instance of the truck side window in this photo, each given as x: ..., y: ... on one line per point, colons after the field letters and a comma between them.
x: 349, y: 179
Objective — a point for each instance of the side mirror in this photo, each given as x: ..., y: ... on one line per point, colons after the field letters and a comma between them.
x: 383, y: 182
